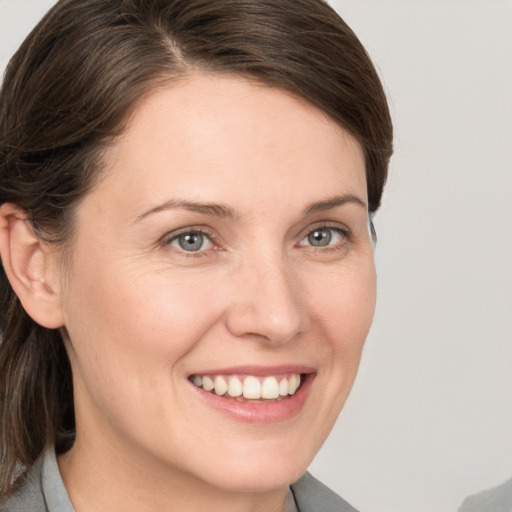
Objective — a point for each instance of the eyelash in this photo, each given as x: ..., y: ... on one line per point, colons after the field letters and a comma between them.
x: 168, y: 239
x: 342, y: 231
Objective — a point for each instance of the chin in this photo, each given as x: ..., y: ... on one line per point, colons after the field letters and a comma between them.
x: 268, y: 477
x: 259, y: 468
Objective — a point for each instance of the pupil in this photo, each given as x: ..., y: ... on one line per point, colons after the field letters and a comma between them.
x: 191, y: 241
x: 320, y: 237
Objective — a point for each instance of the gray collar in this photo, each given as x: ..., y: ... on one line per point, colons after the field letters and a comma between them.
x: 290, y: 505
x: 55, y: 494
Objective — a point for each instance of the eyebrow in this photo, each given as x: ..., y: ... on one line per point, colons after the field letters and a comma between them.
x: 225, y: 211
x: 333, y: 202
x: 212, y: 209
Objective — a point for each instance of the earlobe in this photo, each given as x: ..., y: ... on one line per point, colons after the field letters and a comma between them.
x: 28, y: 265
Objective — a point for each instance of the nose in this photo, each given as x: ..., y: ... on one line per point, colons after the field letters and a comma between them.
x: 266, y: 303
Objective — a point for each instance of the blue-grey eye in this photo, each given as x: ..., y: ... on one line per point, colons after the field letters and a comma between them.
x: 192, y: 241
x: 320, y: 237
x: 324, y: 237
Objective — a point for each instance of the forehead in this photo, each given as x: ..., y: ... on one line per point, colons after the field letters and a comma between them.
x: 209, y: 135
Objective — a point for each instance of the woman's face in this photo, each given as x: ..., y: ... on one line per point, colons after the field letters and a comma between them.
x: 227, y: 243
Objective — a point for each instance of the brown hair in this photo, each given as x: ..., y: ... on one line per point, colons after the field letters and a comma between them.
x: 67, y: 92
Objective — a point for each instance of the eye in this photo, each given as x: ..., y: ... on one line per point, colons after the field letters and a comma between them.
x: 324, y: 236
x: 191, y: 241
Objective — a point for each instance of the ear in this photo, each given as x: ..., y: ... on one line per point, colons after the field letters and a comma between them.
x: 31, y: 267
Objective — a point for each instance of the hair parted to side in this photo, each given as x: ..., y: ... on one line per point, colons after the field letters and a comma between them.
x: 66, y: 95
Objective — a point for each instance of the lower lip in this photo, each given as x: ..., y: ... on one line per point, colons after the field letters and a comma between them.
x: 260, y: 412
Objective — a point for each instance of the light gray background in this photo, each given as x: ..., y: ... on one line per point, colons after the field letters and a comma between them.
x: 430, y: 417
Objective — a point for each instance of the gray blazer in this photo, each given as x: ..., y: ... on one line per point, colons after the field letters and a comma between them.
x: 497, y: 499
x: 44, y: 491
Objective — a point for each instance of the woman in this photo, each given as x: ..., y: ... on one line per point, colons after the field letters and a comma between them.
x: 186, y: 240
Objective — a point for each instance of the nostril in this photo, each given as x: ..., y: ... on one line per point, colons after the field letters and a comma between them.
x: 265, y: 326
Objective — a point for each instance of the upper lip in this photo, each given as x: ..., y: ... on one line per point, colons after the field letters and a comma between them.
x: 257, y: 370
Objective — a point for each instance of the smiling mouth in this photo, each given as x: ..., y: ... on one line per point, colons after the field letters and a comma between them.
x: 250, y: 388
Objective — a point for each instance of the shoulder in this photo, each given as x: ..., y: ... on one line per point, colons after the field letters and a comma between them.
x: 497, y: 499
x: 29, y: 497
x: 311, y: 495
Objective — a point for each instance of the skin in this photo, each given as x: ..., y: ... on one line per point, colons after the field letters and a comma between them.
x: 140, y: 314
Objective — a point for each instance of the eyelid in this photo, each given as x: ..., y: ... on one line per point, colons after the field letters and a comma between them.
x: 335, y: 226
x: 212, y: 237
x: 173, y: 235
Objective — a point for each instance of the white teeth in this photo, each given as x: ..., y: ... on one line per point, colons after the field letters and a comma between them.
x: 293, y: 384
x: 252, y: 388
x: 208, y: 384
x: 220, y: 386
x: 270, y: 388
x: 235, y: 387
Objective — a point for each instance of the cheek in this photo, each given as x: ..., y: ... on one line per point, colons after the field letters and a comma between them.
x: 130, y: 338
x: 143, y: 313
x: 342, y: 306
x: 345, y: 305
x: 129, y: 328
x: 344, y: 312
